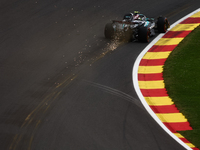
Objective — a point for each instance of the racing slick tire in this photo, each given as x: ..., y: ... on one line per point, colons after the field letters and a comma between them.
x: 128, y: 36
x: 109, y: 31
x: 162, y: 24
x: 143, y: 34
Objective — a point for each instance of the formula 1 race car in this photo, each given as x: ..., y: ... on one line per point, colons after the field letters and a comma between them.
x: 135, y: 26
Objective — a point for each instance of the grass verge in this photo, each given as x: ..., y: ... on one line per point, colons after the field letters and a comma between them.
x: 182, y: 80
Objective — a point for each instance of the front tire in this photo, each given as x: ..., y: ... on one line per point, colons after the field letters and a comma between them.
x: 162, y: 24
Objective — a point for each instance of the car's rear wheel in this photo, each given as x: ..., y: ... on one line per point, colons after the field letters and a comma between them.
x: 128, y: 35
x: 143, y: 34
x: 162, y: 24
x: 109, y: 31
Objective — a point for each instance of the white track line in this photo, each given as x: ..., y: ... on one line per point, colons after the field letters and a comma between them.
x: 137, y: 89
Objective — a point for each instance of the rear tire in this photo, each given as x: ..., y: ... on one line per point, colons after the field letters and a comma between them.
x: 162, y: 24
x: 129, y: 36
x: 143, y: 34
x: 109, y: 31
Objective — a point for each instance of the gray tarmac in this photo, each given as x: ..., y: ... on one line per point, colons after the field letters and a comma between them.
x: 64, y: 86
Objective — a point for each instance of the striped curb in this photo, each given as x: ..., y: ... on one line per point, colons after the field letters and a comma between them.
x: 150, y: 77
x: 151, y: 83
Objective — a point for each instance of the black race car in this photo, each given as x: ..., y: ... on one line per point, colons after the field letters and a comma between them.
x: 135, y: 26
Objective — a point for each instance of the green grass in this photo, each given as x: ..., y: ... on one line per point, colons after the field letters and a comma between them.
x: 182, y: 80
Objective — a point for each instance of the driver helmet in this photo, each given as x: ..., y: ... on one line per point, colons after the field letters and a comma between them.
x: 136, y: 12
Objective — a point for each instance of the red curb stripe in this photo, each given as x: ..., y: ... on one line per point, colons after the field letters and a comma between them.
x: 150, y: 77
x: 157, y: 48
x: 154, y: 92
x: 191, y: 20
x: 195, y: 148
x: 165, y: 109
x: 179, y: 126
x: 176, y: 34
x: 152, y: 62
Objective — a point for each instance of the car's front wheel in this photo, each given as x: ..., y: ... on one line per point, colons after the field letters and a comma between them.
x: 162, y: 24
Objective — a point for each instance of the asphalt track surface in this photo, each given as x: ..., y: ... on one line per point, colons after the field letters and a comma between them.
x: 64, y: 86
